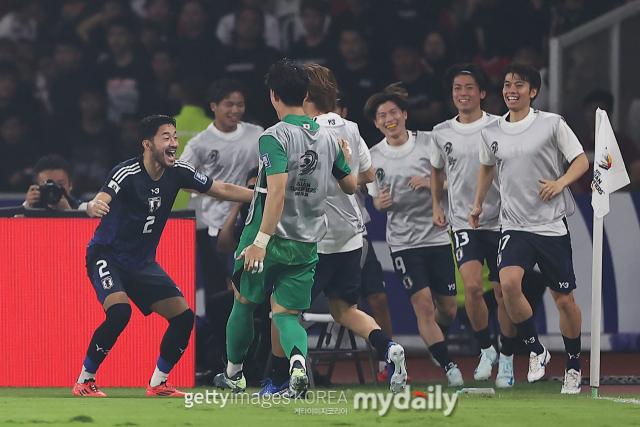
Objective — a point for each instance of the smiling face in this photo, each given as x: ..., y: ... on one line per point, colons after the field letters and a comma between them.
x: 390, y: 119
x: 517, y: 93
x: 164, y: 145
x: 229, y: 111
x: 467, y: 94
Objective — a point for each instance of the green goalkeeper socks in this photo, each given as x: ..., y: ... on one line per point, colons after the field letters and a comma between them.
x: 240, y: 331
x: 292, y: 334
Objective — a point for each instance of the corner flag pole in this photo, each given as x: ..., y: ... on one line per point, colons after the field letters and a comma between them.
x: 596, y: 304
x: 609, y: 175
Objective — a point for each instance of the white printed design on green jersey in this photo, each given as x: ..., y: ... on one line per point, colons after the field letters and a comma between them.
x: 311, y: 154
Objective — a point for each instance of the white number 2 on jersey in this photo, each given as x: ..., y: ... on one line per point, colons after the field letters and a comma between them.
x: 147, y: 225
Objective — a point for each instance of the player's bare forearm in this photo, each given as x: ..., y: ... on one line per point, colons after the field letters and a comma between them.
x: 437, y: 185
x: 485, y: 177
x: 99, y: 206
x: 231, y: 192
x: 367, y: 177
x: 578, y: 167
x: 348, y: 184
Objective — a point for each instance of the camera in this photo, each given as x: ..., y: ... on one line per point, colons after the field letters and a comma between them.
x: 50, y: 193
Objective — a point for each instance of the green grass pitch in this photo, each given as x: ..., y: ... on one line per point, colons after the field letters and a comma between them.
x: 538, y: 405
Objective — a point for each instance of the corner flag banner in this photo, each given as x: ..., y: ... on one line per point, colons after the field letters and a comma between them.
x: 609, y: 173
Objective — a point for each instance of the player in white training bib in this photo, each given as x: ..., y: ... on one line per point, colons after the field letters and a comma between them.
x: 529, y: 148
x: 225, y: 151
x: 421, y: 251
x: 454, y: 154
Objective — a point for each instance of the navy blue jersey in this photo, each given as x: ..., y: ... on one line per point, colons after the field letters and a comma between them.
x: 139, y: 209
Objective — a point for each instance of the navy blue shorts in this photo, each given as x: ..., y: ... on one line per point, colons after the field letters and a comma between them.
x: 144, y: 287
x: 478, y: 245
x: 372, y: 274
x: 431, y: 267
x: 552, y: 254
x: 338, y: 276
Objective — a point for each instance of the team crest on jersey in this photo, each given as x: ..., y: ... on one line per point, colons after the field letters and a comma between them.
x: 154, y: 203
x: 213, y: 157
x: 448, y: 148
x: 107, y: 283
x: 407, y: 282
x: 459, y: 254
x: 494, y: 147
x: 308, y: 162
x: 200, y: 177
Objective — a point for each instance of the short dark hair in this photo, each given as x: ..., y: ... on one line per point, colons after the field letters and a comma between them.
x: 525, y: 72
x: 470, y: 69
x: 289, y: 81
x: 148, y: 127
x: 601, y: 97
x: 221, y: 89
x: 50, y: 162
x: 393, y: 93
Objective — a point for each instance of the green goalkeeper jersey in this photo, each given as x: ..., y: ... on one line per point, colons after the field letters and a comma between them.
x: 311, y: 157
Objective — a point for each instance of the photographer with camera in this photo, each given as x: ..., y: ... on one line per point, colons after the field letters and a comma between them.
x: 52, y: 186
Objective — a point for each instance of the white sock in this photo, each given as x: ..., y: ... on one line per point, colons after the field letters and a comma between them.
x: 233, y: 368
x: 299, y: 358
x: 382, y: 366
x: 505, y: 356
x: 84, y: 375
x: 158, y: 378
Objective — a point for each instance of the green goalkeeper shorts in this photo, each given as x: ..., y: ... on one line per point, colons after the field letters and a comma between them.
x: 291, y: 283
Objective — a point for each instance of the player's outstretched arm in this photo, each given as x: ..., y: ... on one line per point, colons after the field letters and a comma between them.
x: 230, y: 192
x: 578, y: 167
x: 274, y: 204
x: 485, y: 177
x: 99, y: 206
x: 437, y: 188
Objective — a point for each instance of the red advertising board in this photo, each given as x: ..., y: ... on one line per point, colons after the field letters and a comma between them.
x: 49, y: 310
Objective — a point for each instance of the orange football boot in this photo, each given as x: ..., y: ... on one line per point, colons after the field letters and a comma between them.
x: 88, y: 389
x: 164, y: 389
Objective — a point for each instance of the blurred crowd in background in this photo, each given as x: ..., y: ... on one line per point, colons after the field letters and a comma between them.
x: 76, y: 76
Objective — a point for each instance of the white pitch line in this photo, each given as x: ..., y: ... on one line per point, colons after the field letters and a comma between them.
x: 619, y: 400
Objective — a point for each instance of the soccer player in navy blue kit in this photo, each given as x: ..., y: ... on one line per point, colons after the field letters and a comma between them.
x: 134, y: 205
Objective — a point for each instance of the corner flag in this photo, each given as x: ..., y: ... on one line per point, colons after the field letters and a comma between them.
x: 609, y: 175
